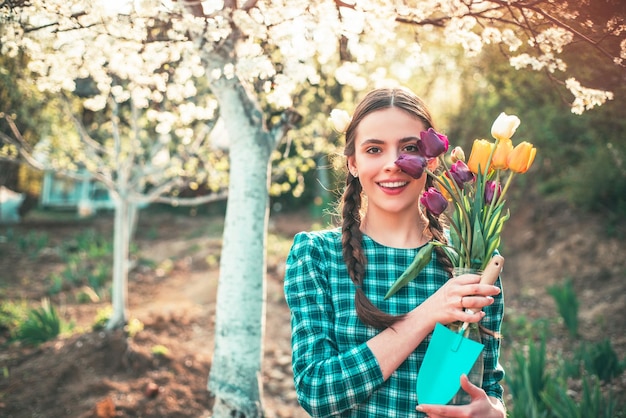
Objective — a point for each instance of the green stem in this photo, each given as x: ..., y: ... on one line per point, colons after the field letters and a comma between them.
x: 505, y: 188
x: 456, y: 194
x: 487, y: 215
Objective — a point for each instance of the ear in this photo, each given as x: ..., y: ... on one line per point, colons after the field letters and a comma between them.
x: 352, y: 165
x: 433, y: 163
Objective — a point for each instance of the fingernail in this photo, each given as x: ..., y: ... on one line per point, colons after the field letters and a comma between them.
x: 419, y: 408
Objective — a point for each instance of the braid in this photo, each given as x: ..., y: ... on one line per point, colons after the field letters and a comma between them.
x: 352, y: 237
x: 355, y: 259
x: 351, y: 233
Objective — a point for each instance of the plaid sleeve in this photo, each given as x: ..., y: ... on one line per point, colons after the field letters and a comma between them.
x: 327, y: 381
x: 493, y: 371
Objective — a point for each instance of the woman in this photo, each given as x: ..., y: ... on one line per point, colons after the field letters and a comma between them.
x: 354, y: 353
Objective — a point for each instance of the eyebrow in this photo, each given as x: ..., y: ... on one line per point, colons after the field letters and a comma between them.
x: 380, y: 141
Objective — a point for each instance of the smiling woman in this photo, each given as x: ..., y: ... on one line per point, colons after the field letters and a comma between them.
x: 356, y: 353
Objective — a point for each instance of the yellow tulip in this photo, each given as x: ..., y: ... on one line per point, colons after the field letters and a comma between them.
x: 522, y: 157
x: 479, y: 155
x: 501, y: 154
x: 504, y: 126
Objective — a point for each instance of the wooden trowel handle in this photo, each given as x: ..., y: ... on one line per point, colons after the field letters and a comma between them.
x: 491, y: 273
x: 493, y: 269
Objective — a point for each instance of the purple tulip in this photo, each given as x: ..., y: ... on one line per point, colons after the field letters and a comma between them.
x: 492, y: 189
x: 413, y: 165
x: 434, y: 201
x: 432, y: 144
x: 461, y: 173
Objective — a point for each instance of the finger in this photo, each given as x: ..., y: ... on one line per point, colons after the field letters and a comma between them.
x: 439, y: 411
x: 476, y: 302
x: 472, y: 390
x: 481, y: 289
x: 470, y: 316
x: 467, y: 279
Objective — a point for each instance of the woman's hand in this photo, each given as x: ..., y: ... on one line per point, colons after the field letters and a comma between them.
x: 481, y: 406
x: 450, y: 302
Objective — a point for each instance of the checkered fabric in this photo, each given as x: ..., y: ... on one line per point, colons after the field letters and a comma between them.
x: 335, y: 373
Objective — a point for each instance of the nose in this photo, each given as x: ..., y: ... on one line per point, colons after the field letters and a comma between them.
x: 390, y: 161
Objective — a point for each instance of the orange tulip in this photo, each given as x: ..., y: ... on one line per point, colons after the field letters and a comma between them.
x: 446, y: 180
x: 501, y: 154
x: 522, y: 157
x: 479, y: 155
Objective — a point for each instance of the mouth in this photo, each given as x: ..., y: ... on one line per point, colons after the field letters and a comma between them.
x: 393, y: 184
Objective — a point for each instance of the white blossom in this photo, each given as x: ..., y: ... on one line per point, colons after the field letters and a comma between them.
x: 586, y: 98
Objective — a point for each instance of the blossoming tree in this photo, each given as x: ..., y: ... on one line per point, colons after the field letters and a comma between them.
x: 253, y: 55
x: 141, y: 126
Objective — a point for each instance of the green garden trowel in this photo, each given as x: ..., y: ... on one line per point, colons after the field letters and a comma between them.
x: 450, y: 354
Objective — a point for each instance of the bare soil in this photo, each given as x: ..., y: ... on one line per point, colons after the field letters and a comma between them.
x: 108, y: 374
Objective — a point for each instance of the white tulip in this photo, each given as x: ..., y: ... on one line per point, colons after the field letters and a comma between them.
x: 340, y: 120
x: 504, y: 126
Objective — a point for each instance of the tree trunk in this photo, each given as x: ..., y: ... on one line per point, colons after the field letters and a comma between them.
x: 125, y: 214
x: 235, y: 377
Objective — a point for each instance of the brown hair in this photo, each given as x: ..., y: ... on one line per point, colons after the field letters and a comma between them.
x: 352, y: 237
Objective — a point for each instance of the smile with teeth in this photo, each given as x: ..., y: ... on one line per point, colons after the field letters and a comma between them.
x: 393, y: 184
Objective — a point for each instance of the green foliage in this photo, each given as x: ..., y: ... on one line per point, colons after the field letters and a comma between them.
x: 160, y: 350
x: 599, y: 359
x: 540, y: 393
x: 520, y: 328
x: 32, y: 242
x: 580, y: 159
x: 102, y: 317
x: 133, y: 327
x: 88, y: 261
x: 41, y: 325
x: 567, y: 303
x: 528, y: 379
x: 12, y: 313
x: 592, y: 402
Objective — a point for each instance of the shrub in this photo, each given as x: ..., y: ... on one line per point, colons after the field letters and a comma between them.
x: 11, y: 315
x: 601, y: 360
x: 41, y: 325
x: 528, y: 379
x: 567, y: 304
x: 592, y: 402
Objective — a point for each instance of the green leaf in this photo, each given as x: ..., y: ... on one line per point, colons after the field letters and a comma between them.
x: 478, y: 242
x: 422, y: 258
x: 490, y: 224
x: 452, y: 254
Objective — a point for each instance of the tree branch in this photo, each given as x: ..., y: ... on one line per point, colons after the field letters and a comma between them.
x: 289, y: 119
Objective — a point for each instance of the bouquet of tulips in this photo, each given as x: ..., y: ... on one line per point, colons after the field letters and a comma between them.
x: 475, y: 189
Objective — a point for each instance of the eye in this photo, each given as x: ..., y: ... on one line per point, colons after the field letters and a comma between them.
x: 410, y: 148
x: 373, y: 150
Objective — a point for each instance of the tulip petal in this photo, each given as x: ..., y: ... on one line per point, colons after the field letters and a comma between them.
x: 413, y: 165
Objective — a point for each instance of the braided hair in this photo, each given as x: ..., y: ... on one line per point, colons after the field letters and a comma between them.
x: 352, y: 236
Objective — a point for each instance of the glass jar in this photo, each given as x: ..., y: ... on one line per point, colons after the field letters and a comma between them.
x: 473, y: 333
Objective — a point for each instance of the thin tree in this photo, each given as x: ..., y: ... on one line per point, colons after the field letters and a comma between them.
x: 140, y: 127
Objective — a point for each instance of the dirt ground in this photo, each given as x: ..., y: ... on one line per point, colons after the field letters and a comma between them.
x: 104, y: 375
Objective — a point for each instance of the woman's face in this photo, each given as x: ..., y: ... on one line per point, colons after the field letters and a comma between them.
x: 380, y: 138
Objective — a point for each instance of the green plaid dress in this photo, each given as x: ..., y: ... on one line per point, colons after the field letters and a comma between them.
x: 335, y: 373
